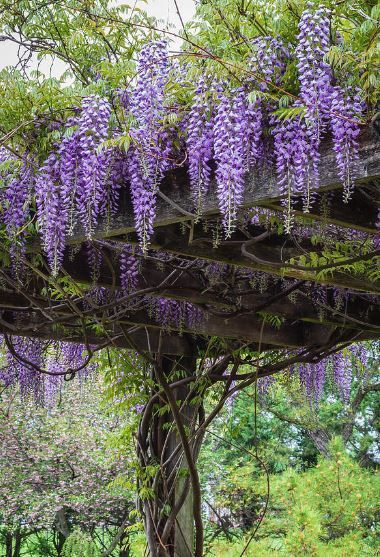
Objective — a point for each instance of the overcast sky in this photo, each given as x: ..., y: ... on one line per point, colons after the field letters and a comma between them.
x: 162, y: 9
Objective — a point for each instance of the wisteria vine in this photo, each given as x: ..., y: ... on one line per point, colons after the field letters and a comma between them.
x: 225, y: 131
x: 80, y: 181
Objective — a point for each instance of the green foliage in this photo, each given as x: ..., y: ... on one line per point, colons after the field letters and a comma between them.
x: 226, y: 28
x: 78, y: 544
x: 273, y: 319
x: 332, y: 509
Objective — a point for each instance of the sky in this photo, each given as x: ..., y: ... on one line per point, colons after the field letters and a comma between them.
x: 164, y: 10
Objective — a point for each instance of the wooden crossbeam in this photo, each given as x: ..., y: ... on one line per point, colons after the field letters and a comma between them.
x: 201, y: 245
x: 360, y: 213
x: 227, y: 301
x: 300, y: 326
x: 140, y: 332
x: 186, y: 285
x: 261, y: 189
x: 142, y: 338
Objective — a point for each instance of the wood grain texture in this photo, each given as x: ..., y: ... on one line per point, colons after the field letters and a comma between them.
x: 261, y: 188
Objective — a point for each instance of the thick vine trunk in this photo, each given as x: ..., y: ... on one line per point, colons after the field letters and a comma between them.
x: 8, y: 544
x: 183, y: 532
x: 62, y: 525
x: 17, y: 545
x: 169, y: 513
x: 321, y: 441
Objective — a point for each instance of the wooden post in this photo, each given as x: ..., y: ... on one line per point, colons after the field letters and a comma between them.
x: 183, y: 533
x: 184, y: 528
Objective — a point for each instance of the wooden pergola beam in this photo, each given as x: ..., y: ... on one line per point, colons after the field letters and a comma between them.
x: 301, y: 324
x: 261, y: 189
x: 147, y: 337
x: 227, y: 302
x: 141, y: 338
x: 359, y: 214
x: 171, y: 239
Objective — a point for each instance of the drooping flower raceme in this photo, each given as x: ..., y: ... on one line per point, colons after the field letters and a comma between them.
x: 73, y: 182
x: 149, y: 153
x: 172, y: 313
x: 314, y: 73
x: 93, y: 129
x: 346, y: 107
x: 129, y: 271
x: 315, y: 78
x: 28, y: 378
x: 230, y: 148
x: 199, y: 143
x: 56, y: 358
x: 267, y: 63
x: 294, y: 171
x: 17, y: 200
x: 52, y: 212
x: 312, y: 378
x: 342, y: 374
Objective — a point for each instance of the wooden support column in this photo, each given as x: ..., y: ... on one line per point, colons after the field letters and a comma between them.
x: 183, y: 531
x: 184, y: 524
x: 168, y: 513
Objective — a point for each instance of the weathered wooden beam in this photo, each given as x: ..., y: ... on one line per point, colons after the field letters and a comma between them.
x: 359, y: 214
x: 242, y: 325
x: 225, y: 300
x: 171, y: 239
x: 261, y: 187
x: 148, y: 336
x: 143, y: 338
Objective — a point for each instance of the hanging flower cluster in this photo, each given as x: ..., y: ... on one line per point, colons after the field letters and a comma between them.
x: 268, y: 62
x: 295, y: 167
x: 230, y: 154
x: 314, y: 73
x: 150, y: 151
x: 81, y: 179
x: 17, y: 200
x: 346, y: 107
x: 55, y: 359
x: 172, y: 313
x: 72, y: 183
x: 129, y: 271
x: 312, y: 378
x: 52, y: 213
x: 29, y: 380
x: 200, y: 143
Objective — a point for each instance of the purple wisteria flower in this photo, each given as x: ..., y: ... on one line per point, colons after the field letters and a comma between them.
x: 149, y: 155
x: 346, y: 108
x: 73, y: 180
x: 129, y: 271
x: 17, y: 201
x: 52, y: 212
x: 314, y: 73
x: 230, y: 147
x: 296, y: 168
x: 200, y: 142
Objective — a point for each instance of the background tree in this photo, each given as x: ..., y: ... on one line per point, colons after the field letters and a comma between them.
x: 60, y: 472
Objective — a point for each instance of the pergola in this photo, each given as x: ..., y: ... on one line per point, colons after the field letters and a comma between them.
x: 231, y: 305
x: 262, y: 294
